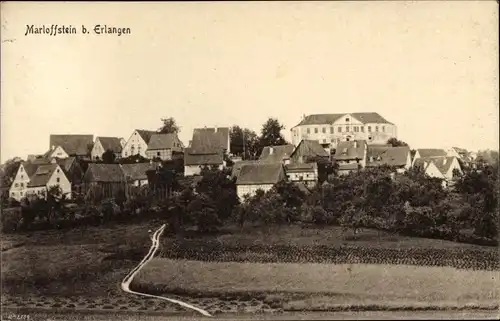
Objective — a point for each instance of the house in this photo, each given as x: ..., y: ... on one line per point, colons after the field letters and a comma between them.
x: 308, y: 150
x: 47, y: 176
x: 136, y: 174
x: 137, y: 144
x: 103, y: 144
x: 276, y: 154
x: 221, y: 135
x: 331, y: 129
x: 103, y: 180
x: 163, y: 146
x: 440, y: 167
x: 396, y: 157
x: 62, y: 146
x: 465, y: 157
x: 428, y: 152
x: 207, y: 148
x: 350, y: 156
x: 306, y: 173
x: 21, y: 180
x: 236, y: 169
x: 253, y: 177
x: 73, y: 172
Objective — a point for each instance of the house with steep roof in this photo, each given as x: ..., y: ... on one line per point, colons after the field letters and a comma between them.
x: 351, y: 156
x: 103, y: 144
x: 136, y: 174
x: 47, y: 176
x: 218, y: 135
x: 276, y: 154
x: 466, y: 158
x: 308, y: 150
x: 440, y: 167
x: 395, y: 157
x: 258, y: 176
x: 331, y: 129
x: 137, y: 144
x: 103, y: 181
x: 164, y: 146
x: 305, y: 173
x: 207, y: 148
x: 66, y: 145
x: 21, y: 180
x: 429, y: 152
x: 236, y: 169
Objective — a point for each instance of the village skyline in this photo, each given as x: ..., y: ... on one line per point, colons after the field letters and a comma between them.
x: 302, y: 58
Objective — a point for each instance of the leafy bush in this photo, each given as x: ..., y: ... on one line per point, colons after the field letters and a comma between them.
x: 11, y: 219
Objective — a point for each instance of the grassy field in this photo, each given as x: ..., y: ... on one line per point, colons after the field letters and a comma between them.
x: 343, y: 284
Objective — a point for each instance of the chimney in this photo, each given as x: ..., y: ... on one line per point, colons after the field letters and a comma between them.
x: 270, y: 150
x: 215, y: 128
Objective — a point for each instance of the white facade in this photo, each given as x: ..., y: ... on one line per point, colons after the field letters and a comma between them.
x: 20, y: 184
x: 190, y: 170
x: 242, y: 190
x: 135, y: 146
x: 58, y: 152
x: 346, y: 128
x: 97, y: 150
x: 433, y: 171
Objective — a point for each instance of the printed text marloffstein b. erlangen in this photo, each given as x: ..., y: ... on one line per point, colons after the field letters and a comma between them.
x: 53, y: 30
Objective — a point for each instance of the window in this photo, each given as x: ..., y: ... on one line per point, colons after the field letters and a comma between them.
x: 316, y: 130
x: 158, y: 154
x: 21, y: 193
x: 324, y: 141
x: 369, y: 138
x: 346, y: 128
x: 58, y: 179
x: 22, y: 184
x: 376, y: 128
x: 347, y: 119
x: 362, y: 129
x: 57, y: 170
x: 369, y: 129
x: 12, y: 194
x: 20, y: 169
x: 21, y: 175
x: 323, y: 130
x: 383, y: 128
x: 331, y: 130
x: 332, y: 140
x: 339, y: 129
x: 16, y: 185
x: 308, y: 130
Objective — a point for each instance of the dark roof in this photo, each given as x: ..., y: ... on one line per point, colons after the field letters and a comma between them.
x: 79, y: 145
x: 137, y: 171
x: 276, y: 154
x: 104, y: 173
x: 320, y: 119
x: 208, y: 158
x: 162, y: 141
x: 460, y: 150
x: 347, y: 150
x: 431, y: 152
x: 111, y: 143
x: 145, y: 134
x: 391, y: 156
x: 66, y: 163
x: 31, y: 167
x: 311, y: 148
x: 42, y: 175
x: 238, y: 165
x: 251, y: 174
x: 208, y: 139
x: 296, y: 167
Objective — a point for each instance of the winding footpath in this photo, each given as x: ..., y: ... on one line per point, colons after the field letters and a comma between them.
x: 125, y: 285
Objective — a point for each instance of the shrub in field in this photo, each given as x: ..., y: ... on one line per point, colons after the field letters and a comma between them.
x: 203, y: 213
x: 11, y: 219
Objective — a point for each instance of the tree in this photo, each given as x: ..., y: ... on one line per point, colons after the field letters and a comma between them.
x: 271, y: 134
x: 394, y: 142
x: 244, y: 142
x: 169, y: 126
x: 108, y: 157
x: 8, y: 171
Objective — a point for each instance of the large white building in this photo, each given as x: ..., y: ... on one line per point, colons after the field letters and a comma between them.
x: 331, y: 129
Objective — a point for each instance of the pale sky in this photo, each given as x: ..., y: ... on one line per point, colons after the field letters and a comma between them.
x: 429, y: 67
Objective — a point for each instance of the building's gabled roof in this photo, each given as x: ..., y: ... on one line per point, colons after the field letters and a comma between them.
x: 106, y: 173
x: 42, y: 175
x: 111, y: 143
x: 163, y: 141
x: 391, y: 156
x: 208, y: 140
x: 301, y: 167
x: 252, y: 174
x: 443, y: 164
x: 348, y: 150
x: 137, y: 171
x: 145, y: 134
x: 431, y: 152
x: 311, y: 148
x: 324, y: 119
x: 31, y: 167
x: 276, y: 154
x: 207, y: 158
x: 66, y: 163
x: 79, y: 145
x: 235, y: 171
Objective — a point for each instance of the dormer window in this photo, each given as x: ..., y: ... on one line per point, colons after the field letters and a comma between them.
x: 347, y: 119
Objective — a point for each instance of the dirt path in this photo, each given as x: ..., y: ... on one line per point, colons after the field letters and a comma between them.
x: 125, y: 285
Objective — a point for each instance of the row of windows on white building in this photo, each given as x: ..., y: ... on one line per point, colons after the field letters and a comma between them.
x: 356, y: 129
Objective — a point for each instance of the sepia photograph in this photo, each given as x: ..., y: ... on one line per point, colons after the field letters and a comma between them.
x: 249, y: 160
